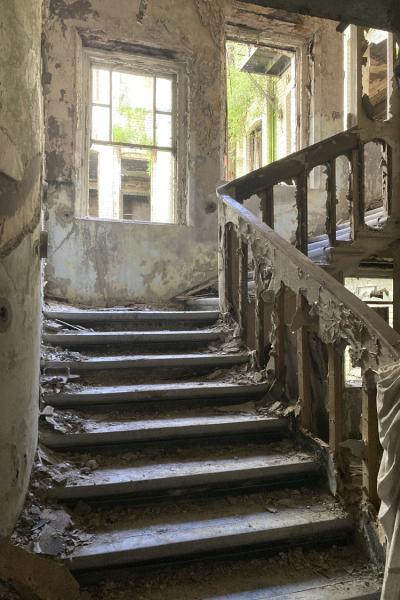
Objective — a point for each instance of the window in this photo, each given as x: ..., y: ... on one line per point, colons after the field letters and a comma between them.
x: 255, y: 148
x: 132, y: 166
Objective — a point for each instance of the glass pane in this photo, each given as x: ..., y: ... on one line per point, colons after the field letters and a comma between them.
x: 136, y: 167
x: 101, y: 86
x: 164, y: 131
x: 133, y: 108
x: 164, y: 95
x: 162, y: 176
x: 101, y: 123
x: 104, y: 181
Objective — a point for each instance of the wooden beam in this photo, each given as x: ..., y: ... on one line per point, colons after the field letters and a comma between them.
x: 331, y: 203
x: 335, y: 399
x: 267, y: 206
x: 366, y: 13
x: 370, y: 436
x: 243, y: 304
x: 294, y: 165
x: 280, y: 359
x: 302, y: 213
x: 357, y: 187
x: 303, y: 368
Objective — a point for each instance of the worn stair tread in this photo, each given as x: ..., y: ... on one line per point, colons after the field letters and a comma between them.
x: 143, y: 361
x: 123, y: 480
x: 116, y: 315
x: 340, y: 573
x: 133, y: 337
x: 155, y: 392
x: 129, y: 431
x: 231, y: 527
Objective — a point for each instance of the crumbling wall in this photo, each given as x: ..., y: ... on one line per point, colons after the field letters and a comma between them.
x: 99, y: 262
x: 20, y: 189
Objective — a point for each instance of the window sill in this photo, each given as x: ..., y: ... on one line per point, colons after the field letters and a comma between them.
x: 129, y: 222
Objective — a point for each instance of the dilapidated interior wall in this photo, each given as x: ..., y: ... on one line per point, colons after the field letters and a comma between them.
x: 100, y: 262
x: 21, y: 127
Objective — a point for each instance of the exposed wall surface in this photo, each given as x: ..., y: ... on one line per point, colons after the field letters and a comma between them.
x: 103, y: 262
x: 20, y: 189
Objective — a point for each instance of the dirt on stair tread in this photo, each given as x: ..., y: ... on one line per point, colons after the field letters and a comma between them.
x: 70, y: 421
x: 339, y: 569
x: 55, y: 468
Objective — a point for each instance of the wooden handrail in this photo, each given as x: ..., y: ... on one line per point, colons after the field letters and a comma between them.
x: 323, y: 308
x: 297, y: 167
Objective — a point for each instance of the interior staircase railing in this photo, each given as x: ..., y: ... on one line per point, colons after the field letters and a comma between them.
x: 292, y: 294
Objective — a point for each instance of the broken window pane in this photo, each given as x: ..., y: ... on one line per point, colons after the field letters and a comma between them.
x: 343, y: 208
x: 375, y: 182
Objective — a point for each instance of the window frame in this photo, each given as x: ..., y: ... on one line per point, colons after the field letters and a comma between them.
x: 147, y: 65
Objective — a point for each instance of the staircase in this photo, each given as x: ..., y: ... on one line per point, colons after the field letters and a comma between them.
x: 170, y: 473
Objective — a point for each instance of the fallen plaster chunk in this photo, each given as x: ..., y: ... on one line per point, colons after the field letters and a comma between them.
x: 36, y: 577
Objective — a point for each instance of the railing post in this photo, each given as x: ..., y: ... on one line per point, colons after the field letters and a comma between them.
x: 369, y: 428
x: 331, y: 203
x: 303, y: 368
x: 267, y: 207
x: 335, y: 399
x: 280, y: 362
x: 243, y: 288
x: 357, y: 190
x: 231, y: 268
x: 302, y: 213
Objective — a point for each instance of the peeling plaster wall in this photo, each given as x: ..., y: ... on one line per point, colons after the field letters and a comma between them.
x: 99, y: 262
x: 20, y: 189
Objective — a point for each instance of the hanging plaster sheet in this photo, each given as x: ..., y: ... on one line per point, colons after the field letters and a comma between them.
x: 389, y: 474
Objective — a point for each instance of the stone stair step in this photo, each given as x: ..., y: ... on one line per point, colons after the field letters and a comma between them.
x: 150, y: 361
x: 103, y: 433
x: 89, y: 316
x: 186, y: 534
x: 239, y: 468
x: 84, y: 339
x: 181, y: 392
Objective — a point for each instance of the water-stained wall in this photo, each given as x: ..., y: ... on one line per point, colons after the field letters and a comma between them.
x: 100, y: 262
x: 21, y: 128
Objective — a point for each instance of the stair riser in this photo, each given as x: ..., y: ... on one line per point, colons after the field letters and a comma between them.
x: 171, y: 368
x: 136, y: 347
x: 246, y: 481
x: 227, y: 434
x: 252, y: 543
x: 163, y: 398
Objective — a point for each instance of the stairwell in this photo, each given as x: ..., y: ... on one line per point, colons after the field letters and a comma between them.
x: 166, y: 470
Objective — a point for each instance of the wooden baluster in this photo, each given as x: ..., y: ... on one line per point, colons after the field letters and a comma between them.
x: 227, y: 265
x: 231, y: 269
x: 369, y: 428
x: 280, y: 359
x: 331, y: 203
x: 259, y: 317
x: 267, y: 207
x: 335, y: 399
x: 302, y: 213
x: 357, y: 190
x: 303, y: 368
x: 243, y: 306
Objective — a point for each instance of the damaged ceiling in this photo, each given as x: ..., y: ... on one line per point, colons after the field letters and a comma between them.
x: 384, y: 14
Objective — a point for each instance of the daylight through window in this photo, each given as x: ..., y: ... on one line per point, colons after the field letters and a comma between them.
x: 132, y: 146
